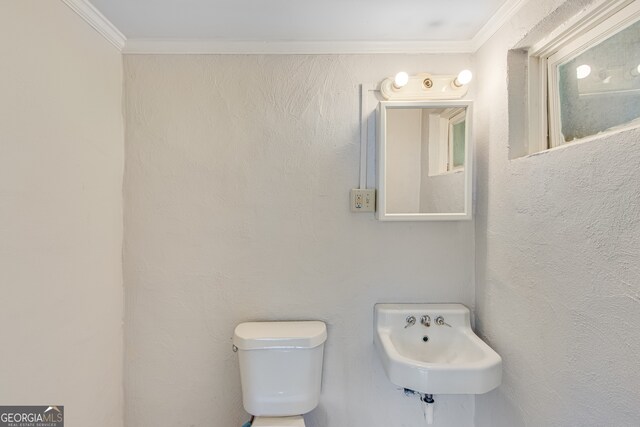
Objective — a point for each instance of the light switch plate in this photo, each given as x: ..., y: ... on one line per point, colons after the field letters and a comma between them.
x: 363, y: 200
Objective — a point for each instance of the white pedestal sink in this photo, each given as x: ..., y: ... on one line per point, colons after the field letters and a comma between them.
x: 445, y: 357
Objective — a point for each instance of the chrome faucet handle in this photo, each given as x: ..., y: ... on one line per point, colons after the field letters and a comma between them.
x: 440, y: 321
x: 411, y: 320
x: 425, y: 320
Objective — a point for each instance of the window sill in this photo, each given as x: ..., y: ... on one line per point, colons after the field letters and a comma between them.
x: 578, y: 142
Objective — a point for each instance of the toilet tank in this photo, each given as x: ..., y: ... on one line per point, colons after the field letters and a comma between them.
x: 280, y: 366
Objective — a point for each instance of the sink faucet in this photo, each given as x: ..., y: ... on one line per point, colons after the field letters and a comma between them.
x: 426, y: 320
x: 440, y: 321
x: 411, y: 320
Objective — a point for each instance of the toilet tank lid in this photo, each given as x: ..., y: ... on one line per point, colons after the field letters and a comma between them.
x: 263, y: 335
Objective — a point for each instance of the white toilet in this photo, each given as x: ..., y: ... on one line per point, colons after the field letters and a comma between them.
x: 280, y: 370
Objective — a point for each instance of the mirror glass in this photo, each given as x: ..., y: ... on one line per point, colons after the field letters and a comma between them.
x: 424, y: 161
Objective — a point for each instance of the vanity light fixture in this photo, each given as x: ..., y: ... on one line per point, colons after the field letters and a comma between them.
x: 583, y: 71
x: 464, y: 78
x: 424, y: 86
x: 400, y: 80
x: 635, y: 72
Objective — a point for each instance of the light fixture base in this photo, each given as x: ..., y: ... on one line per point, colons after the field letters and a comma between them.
x: 423, y: 86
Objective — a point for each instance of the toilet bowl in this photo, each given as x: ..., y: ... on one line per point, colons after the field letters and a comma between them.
x: 280, y: 370
x: 296, y: 421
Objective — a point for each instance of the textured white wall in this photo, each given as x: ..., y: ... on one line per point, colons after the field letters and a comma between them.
x: 558, y: 244
x: 236, y: 208
x: 61, y: 165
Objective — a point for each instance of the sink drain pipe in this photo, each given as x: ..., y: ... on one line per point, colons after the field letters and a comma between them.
x: 426, y: 401
x: 427, y: 407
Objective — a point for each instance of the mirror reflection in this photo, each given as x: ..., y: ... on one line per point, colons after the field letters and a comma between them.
x: 425, y: 160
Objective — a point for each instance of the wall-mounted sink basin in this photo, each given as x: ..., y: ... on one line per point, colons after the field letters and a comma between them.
x: 445, y: 357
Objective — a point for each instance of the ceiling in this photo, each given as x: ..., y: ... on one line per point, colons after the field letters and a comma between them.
x: 301, y: 20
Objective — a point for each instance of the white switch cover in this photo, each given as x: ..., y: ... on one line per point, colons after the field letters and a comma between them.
x: 363, y: 200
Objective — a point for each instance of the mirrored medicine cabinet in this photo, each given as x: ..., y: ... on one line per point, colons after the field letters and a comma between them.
x: 424, y: 160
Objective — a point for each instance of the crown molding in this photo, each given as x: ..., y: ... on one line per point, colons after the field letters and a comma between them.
x: 501, y: 17
x: 98, y: 21
x: 173, y: 46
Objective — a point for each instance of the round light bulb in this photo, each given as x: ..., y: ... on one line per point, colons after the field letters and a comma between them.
x: 464, y: 77
x: 583, y: 71
x: 638, y: 69
x: 401, y: 79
